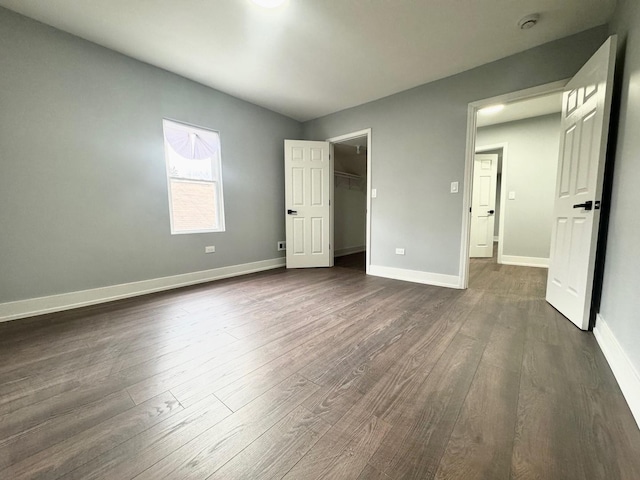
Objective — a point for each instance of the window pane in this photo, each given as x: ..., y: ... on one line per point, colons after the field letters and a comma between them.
x: 193, y: 205
x: 192, y: 168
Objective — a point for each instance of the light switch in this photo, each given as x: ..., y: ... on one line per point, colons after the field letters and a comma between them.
x: 512, y: 195
x: 454, y: 187
x: 374, y: 192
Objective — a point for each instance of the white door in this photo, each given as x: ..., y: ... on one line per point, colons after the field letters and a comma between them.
x: 307, y: 177
x: 576, y: 216
x: 483, y: 205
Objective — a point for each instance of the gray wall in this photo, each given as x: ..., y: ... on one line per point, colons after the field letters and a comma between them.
x: 530, y: 172
x: 83, y: 194
x: 418, y: 148
x: 620, y: 294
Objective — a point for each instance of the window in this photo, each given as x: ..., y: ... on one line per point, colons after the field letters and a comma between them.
x: 194, y: 178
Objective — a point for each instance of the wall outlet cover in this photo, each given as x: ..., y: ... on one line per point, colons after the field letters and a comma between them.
x: 210, y: 249
x: 399, y: 251
x: 282, y: 245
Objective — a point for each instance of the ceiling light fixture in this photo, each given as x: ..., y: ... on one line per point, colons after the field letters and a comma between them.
x: 491, y: 109
x: 529, y: 21
x: 269, y: 3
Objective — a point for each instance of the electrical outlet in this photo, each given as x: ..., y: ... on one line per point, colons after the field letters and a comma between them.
x: 399, y: 251
x: 282, y: 245
x: 210, y: 249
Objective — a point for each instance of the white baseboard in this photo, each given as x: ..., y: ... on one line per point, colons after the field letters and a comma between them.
x: 349, y: 250
x: 66, y: 301
x: 415, y: 276
x: 624, y: 371
x: 525, y: 261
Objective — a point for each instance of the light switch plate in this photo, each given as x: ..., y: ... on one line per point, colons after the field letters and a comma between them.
x: 512, y: 195
x: 454, y: 187
x: 399, y: 251
x: 374, y: 192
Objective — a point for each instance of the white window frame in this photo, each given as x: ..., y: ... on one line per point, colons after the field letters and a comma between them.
x: 216, y: 165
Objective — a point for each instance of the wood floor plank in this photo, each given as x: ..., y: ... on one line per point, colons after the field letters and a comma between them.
x: 140, y: 452
x: 387, y: 397
x: 360, y: 334
x: 71, y: 453
x: 217, y: 376
x: 422, y: 426
x: 371, y: 473
x: 541, y: 445
x: 21, y: 437
x: 505, y: 348
x: 607, y: 433
x: 273, y: 454
x: 26, y: 418
x: 124, y: 366
x: 344, y: 450
x: 209, y: 451
x: 551, y: 365
x: 481, y: 443
x: 269, y: 356
x: 244, y: 389
x: 369, y: 374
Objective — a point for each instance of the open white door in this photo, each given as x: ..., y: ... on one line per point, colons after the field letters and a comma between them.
x: 483, y: 205
x: 308, y: 175
x: 585, y: 125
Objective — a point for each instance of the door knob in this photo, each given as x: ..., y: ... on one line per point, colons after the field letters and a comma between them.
x: 292, y: 212
x: 491, y: 212
x: 586, y: 205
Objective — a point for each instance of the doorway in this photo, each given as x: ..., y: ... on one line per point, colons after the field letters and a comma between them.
x: 351, y: 199
x: 521, y: 130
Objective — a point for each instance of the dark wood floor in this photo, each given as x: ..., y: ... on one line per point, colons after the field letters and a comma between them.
x: 307, y: 374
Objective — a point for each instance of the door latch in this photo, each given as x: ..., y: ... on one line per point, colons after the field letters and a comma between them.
x: 292, y: 212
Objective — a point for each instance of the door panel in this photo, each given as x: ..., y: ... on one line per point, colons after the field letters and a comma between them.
x: 585, y: 121
x: 483, y: 205
x: 307, y: 201
x: 298, y: 236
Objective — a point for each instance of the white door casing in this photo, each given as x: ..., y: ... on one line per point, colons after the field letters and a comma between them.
x: 483, y: 205
x: 308, y: 174
x: 584, y: 130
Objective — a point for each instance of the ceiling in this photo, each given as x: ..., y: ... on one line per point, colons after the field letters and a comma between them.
x: 310, y: 58
x: 531, y: 107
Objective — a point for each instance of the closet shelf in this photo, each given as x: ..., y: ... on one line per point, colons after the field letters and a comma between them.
x: 347, y: 175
